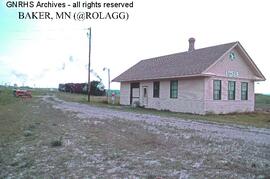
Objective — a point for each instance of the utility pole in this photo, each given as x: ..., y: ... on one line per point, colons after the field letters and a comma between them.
x: 109, y: 83
x: 89, y: 62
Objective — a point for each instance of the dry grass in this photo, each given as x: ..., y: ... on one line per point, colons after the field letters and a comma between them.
x: 259, y: 119
x: 97, y: 100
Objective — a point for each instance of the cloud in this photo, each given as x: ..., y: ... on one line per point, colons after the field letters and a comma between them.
x: 63, y: 66
x: 20, y: 76
x: 42, y: 74
x: 71, y: 59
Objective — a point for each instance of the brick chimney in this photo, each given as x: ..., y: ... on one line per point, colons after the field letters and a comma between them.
x: 191, y: 44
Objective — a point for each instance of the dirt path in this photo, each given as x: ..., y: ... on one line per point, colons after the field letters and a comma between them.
x: 162, y: 146
x: 204, y: 129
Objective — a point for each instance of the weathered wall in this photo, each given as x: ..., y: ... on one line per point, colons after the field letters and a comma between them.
x: 125, y: 93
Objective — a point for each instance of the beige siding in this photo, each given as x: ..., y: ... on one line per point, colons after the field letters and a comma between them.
x: 125, y: 93
x: 190, y: 96
x: 195, y: 95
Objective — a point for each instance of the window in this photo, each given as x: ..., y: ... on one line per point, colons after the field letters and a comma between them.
x: 232, y: 56
x: 174, y: 89
x: 231, y: 90
x: 217, y: 90
x: 244, y: 91
x: 145, y: 92
x: 156, y: 89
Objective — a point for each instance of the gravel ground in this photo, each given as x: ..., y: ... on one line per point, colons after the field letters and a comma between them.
x: 174, y: 148
x: 203, y: 129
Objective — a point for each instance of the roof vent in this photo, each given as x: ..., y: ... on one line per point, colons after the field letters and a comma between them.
x: 191, y: 44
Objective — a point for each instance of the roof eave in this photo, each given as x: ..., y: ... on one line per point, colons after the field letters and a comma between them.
x: 261, y: 77
x: 164, y: 78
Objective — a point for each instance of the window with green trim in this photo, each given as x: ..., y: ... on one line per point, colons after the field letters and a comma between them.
x: 244, y: 91
x: 231, y: 90
x: 217, y: 90
x: 174, y: 89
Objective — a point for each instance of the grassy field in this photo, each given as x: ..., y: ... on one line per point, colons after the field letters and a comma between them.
x: 26, y: 127
x: 262, y: 102
x: 259, y: 118
x: 6, y: 96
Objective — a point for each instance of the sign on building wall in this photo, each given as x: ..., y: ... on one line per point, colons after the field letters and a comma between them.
x: 230, y: 73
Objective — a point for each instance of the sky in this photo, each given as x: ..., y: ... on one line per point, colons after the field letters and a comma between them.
x: 44, y: 53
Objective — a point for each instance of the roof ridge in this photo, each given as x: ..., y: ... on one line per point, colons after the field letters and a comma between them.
x: 157, y: 57
x: 217, y: 45
x: 177, y: 64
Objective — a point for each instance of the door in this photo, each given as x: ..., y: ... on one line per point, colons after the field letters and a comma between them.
x: 145, y: 96
x: 134, y: 93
